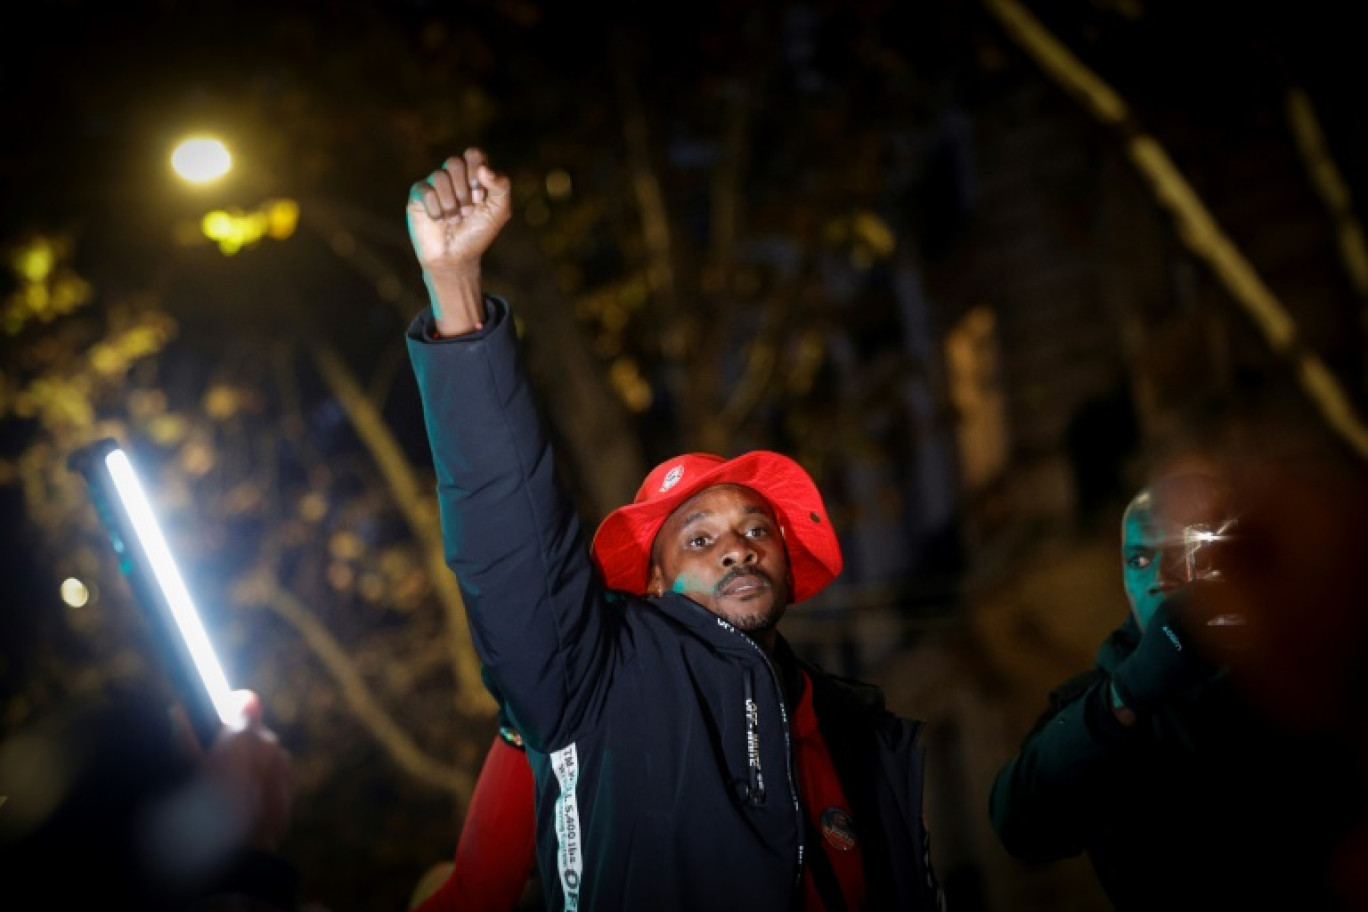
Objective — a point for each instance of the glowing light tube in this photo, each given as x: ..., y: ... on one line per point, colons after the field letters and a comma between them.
x: 173, y: 587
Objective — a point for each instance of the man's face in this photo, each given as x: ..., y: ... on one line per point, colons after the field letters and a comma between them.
x: 1154, y: 552
x: 1150, y: 561
x: 723, y: 549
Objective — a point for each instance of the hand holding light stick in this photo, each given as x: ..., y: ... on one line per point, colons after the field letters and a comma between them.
x: 147, y: 562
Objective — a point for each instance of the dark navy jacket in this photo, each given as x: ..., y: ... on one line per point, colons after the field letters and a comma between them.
x: 657, y: 733
x: 1206, y: 804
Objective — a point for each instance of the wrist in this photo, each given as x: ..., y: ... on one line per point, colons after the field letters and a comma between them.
x: 457, y: 301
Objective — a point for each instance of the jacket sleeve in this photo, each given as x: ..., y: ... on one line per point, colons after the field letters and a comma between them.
x: 1041, y: 800
x: 510, y: 534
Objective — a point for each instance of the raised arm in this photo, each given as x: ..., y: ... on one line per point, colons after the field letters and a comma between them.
x: 510, y: 532
x: 1044, y: 802
x: 1053, y: 795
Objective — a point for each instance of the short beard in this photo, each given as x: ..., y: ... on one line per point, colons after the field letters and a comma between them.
x: 759, y: 621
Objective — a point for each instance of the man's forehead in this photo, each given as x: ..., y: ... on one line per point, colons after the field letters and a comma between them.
x: 1159, y: 514
x: 1143, y: 528
x: 713, y: 497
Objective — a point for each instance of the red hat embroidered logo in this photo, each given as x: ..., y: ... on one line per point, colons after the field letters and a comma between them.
x: 672, y: 478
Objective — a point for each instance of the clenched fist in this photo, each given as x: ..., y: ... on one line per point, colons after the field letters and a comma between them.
x: 454, y: 215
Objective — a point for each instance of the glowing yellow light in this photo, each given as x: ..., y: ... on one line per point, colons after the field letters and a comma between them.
x: 35, y: 261
x: 217, y: 225
x: 74, y: 592
x: 282, y: 215
x: 234, y: 229
x: 201, y: 159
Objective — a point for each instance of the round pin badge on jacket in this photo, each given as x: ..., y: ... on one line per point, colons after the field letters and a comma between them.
x: 838, y: 828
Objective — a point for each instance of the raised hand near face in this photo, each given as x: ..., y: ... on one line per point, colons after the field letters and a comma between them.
x: 454, y: 215
x: 1176, y: 652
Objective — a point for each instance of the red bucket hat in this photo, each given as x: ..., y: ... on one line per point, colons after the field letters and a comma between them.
x: 622, y: 544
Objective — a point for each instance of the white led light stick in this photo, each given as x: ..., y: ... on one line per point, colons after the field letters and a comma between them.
x: 172, y: 586
x: 148, y: 562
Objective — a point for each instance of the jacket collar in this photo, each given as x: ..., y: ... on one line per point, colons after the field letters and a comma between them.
x: 714, y: 629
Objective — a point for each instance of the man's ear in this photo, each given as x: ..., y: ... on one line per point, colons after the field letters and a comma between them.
x: 655, y: 582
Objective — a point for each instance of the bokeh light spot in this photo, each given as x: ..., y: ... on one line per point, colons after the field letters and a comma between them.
x: 201, y: 159
x: 74, y: 592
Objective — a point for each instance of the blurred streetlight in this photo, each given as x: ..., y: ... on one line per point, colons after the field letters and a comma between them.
x: 201, y: 159
x: 204, y: 159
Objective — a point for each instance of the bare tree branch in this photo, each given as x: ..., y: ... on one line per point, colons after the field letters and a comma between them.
x: 726, y: 194
x: 339, y: 229
x: 762, y: 356
x: 266, y: 588
x: 655, y: 221
x: 603, y: 448
x: 419, y: 511
x: 1196, y: 225
x: 677, y: 328
x: 1334, y: 193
